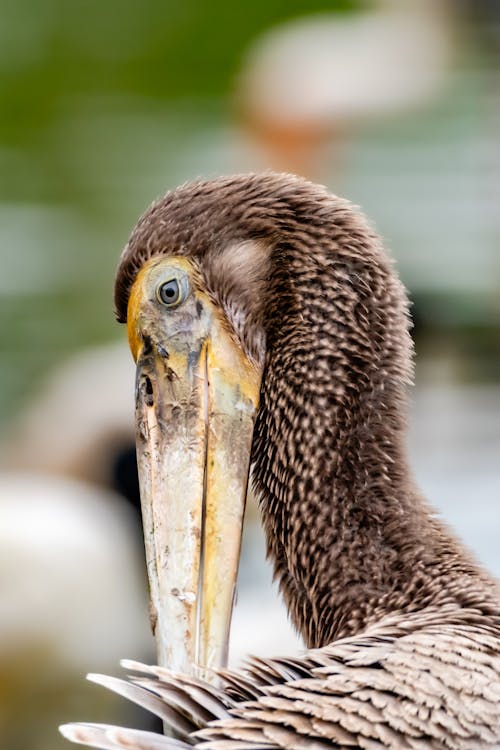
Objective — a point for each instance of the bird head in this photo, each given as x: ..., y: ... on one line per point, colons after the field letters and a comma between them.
x: 243, y: 298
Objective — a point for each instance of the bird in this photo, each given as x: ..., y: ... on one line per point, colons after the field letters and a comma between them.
x: 45, y: 520
x: 305, y: 84
x: 270, y: 329
x: 88, y: 439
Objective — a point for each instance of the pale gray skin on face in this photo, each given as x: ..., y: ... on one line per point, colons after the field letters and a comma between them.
x: 196, y: 400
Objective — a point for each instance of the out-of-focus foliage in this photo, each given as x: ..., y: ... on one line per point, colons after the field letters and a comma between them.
x: 98, y: 100
x: 56, y: 50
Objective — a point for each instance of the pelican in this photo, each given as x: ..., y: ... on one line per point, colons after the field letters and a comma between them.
x: 270, y: 328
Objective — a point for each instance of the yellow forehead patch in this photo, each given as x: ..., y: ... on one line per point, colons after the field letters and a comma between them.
x: 135, y: 302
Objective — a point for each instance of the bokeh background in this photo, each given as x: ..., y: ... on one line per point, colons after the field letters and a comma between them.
x: 394, y: 104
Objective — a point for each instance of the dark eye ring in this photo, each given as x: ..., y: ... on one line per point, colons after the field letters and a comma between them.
x: 170, y: 293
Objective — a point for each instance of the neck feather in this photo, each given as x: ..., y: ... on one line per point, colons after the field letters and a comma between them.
x: 348, y: 534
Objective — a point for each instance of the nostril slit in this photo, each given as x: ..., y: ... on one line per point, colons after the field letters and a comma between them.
x: 148, y: 391
x: 147, y: 346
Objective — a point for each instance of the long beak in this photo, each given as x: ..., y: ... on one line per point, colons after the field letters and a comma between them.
x: 195, y: 409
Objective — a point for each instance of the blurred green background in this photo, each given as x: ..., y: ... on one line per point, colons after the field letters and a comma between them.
x: 105, y: 105
x: 102, y: 104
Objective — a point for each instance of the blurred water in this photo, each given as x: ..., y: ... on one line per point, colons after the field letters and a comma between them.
x: 455, y: 447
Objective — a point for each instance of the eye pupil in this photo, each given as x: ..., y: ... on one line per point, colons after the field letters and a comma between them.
x: 170, y: 293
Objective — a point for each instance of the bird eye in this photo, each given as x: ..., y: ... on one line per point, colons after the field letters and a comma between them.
x: 170, y: 293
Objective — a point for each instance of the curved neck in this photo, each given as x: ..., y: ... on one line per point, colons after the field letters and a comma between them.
x: 349, y: 537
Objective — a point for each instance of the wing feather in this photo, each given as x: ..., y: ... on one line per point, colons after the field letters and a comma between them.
x: 410, y: 684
